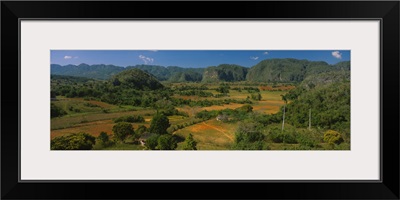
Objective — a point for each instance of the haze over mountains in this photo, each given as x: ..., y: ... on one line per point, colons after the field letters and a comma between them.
x: 270, y: 70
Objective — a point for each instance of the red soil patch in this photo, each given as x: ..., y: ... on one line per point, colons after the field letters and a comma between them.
x: 92, y: 128
x: 199, y: 127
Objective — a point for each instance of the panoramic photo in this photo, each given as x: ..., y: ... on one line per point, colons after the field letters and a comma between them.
x: 200, y: 100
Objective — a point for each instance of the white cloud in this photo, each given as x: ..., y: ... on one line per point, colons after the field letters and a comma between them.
x: 254, y: 58
x: 266, y: 53
x: 153, y: 50
x: 146, y: 60
x: 67, y: 57
x: 337, y: 54
x: 76, y: 57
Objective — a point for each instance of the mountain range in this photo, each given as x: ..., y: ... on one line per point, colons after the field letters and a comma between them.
x: 270, y: 70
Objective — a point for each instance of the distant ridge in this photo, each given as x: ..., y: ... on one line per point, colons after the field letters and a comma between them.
x: 270, y: 70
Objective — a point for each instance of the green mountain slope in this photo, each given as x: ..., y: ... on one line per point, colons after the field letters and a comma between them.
x: 328, y: 97
x: 186, y: 77
x: 225, y: 72
x: 136, y: 79
x: 88, y: 71
x: 271, y: 70
x: 290, y: 70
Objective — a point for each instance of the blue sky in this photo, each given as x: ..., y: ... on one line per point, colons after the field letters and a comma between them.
x: 190, y: 58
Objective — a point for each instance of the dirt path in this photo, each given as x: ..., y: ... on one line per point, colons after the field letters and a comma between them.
x: 219, y: 130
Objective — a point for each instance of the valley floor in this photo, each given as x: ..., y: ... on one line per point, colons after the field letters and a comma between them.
x: 210, y: 134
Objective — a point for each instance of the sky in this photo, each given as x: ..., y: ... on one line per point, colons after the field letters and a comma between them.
x: 190, y: 58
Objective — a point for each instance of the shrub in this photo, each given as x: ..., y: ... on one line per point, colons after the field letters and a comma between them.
x: 256, y: 97
x: 102, y: 141
x: 248, y: 132
x: 248, y: 137
x: 87, y: 104
x: 56, y: 111
x: 190, y: 143
x: 105, y: 110
x: 245, y: 108
x: 333, y: 137
x: 141, y: 129
x: 259, y: 145
x: 130, y: 118
x: 76, y: 141
x: 307, y: 141
x: 287, y: 136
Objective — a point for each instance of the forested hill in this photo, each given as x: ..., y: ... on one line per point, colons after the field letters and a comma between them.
x: 136, y: 79
x: 166, y: 73
x: 326, y: 96
x: 225, y: 72
x: 104, y: 72
x: 270, y: 70
x: 290, y: 70
x: 85, y: 70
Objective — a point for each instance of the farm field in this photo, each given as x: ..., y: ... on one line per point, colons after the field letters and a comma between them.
x: 210, y: 135
x: 94, y: 121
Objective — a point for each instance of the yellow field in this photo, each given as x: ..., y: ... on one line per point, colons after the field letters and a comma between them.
x: 96, y: 127
x: 270, y: 103
x: 211, y: 134
x: 92, y: 128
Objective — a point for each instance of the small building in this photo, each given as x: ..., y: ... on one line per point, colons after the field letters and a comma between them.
x: 144, y: 137
x: 222, y: 118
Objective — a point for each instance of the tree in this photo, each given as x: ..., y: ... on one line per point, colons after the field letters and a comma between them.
x: 223, y: 88
x: 122, y: 130
x: 102, y: 141
x: 141, y: 129
x: 52, y: 94
x: 248, y: 137
x: 245, y: 108
x: 256, y: 97
x: 167, y: 142
x: 190, y: 143
x: 159, y: 124
x: 152, y: 142
x: 248, y: 132
x: 76, y: 141
x: 56, y: 111
x: 116, y: 82
x: 103, y: 137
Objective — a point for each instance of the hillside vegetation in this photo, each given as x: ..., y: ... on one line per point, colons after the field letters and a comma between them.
x: 326, y: 97
x: 88, y: 71
x: 290, y: 70
x: 225, y: 72
x: 136, y: 79
x: 270, y: 70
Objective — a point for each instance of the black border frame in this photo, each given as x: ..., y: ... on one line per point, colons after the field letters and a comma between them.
x: 387, y: 12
